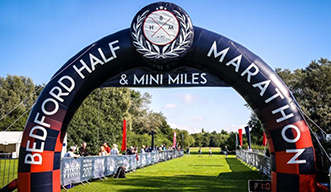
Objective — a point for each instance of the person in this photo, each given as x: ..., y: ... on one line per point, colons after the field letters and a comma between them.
x: 70, y: 153
x: 200, y: 152
x: 188, y: 151
x: 142, y: 150
x: 83, y: 150
x: 135, y: 150
x: 76, y: 151
x: 114, y: 150
x: 226, y: 151
x: 107, y: 148
x: 129, y: 150
x: 210, y: 152
x: 102, y: 151
x: 147, y: 149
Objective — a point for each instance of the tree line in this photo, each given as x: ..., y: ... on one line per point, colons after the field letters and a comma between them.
x: 98, y: 119
x: 100, y: 116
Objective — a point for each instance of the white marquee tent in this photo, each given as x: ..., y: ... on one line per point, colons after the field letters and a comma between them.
x: 10, y: 142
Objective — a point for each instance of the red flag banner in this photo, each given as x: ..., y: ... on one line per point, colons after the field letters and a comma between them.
x: 174, y: 141
x: 124, y: 136
x: 264, y: 142
x: 240, y: 137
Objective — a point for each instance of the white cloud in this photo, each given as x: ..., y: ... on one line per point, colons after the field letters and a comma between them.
x: 234, y: 128
x: 189, y: 98
x: 170, y: 106
x: 189, y: 128
x: 197, y: 118
x: 173, y: 125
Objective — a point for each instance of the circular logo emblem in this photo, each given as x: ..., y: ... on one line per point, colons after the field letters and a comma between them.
x: 162, y: 33
x: 161, y: 27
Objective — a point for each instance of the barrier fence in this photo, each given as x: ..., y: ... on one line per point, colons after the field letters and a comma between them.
x: 257, y: 160
x: 8, y: 169
x: 81, y: 169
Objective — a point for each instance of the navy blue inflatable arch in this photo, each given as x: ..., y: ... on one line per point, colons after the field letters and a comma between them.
x: 292, y: 152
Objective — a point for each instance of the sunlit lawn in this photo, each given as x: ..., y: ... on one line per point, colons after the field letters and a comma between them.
x: 8, y: 171
x: 215, y: 173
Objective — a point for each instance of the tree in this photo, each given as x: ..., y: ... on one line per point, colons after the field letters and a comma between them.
x: 166, y: 130
x: 256, y: 130
x: 17, y: 96
x: 312, y: 89
x: 198, y: 139
x: 188, y: 139
x: 231, y: 141
x: 205, y: 139
x: 100, y: 118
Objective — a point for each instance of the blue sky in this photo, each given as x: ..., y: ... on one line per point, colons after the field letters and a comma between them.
x: 38, y: 37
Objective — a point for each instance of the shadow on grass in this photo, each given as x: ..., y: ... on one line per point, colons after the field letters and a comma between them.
x: 239, y: 171
x: 177, y: 183
x: 229, y: 181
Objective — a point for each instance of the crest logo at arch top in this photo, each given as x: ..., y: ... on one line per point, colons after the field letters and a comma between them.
x: 162, y: 34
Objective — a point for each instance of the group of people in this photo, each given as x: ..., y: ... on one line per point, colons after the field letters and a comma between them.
x: 146, y: 149
x: 209, y: 151
x: 82, y: 151
x: 105, y: 150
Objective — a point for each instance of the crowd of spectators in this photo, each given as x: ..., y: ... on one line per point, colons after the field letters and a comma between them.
x: 105, y: 150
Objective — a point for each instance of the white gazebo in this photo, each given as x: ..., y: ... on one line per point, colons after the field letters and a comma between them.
x: 10, y: 142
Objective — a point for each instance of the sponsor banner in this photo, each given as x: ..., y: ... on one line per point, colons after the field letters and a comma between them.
x: 99, y: 167
x: 71, y: 170
x: 111, y: 166
x: 87, y: 168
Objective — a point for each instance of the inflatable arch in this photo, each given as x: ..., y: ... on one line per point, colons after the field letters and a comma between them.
x: 162, y: 40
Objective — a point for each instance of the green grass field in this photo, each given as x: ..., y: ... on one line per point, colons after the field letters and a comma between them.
x: 8, y: 171
x: 205, y: 150
x: 215, y: 173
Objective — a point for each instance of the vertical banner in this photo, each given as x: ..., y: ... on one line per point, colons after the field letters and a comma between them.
x: 174, y: 141
x: 248, y: 136
x: 152, y: 144
x: 183, y: 141
x: 124, y: 136
x: 240, y: 137
x: 236, y: 135
x: 264, y: 141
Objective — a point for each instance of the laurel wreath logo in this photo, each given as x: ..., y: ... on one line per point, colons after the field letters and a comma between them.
x: 171, y: 50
